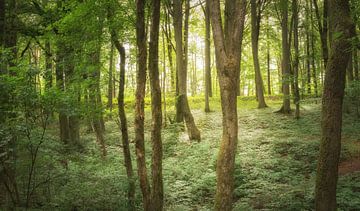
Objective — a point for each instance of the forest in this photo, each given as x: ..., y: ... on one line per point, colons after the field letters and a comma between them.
x: 179, y: 105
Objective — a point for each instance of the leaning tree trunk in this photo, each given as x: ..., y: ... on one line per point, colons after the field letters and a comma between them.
x: 227, y: 49
x: 255, y: 31
x: 122, y: 114
x: 331, y: 120
x: 183, y: 108
x: 139, y: 103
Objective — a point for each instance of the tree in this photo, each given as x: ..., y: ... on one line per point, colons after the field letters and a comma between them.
x: 331, y: 118
x: 257, y: 6
x: 227, y: 50
x: 295, y: 10
x: 182, y: 107
x: 139, y: 103
x: 285, y: 63
x: 208, y: 91
x: 157, y: 192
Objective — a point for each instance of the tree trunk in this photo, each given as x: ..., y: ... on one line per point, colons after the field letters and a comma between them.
x: 350, y: 72
x: 124, y: 129
x: 157, y: 192
x: 356, y: 64
x: 227, y: 50
x: 323, y: 29
x: 110, y: 80
x: 255, y: 31
x: 183, y: 108
x: 48, y: 66
x: 331, y: 122
x: 139, y: 103
x: 285, y: 64
x: 63, y: 119
x: 295, y: 11
x: 207, y: 57
x: 95, y: 100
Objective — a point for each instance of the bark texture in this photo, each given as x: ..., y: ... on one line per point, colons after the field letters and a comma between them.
x: 331, y: 120
x: 157, y: 192
x: 227, y: 49
x: 139, y: 103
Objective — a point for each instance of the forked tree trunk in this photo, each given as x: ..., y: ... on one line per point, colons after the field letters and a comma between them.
x: 139, y: 104
x: 331, y: 120
x: 227, y: 50
x: 183, y: 108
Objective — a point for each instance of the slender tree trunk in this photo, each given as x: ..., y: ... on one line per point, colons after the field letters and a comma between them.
x: 183, y: 108
x: 124, y: 129
x: 95, y: 100
x: 164, y: 80
x: 110, y: 80
x: 350, y: 72
x: 63, y: 119
x: 48, y: 66
x: 356, y: 64
x: 331, y: 120
x: 312, y: 38
x: 227, y: 50
x: 122, y: 114
x: 285, y: 64
x: 207, y: 57
x: 323, y: 29
x: 295, y: 11
x: 255, y: 31
x: 139, y: 103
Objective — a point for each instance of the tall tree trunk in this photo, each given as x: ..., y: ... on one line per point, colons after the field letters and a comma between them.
x: 323, y: 29
x: 122, y: 114
x: 95, y: 100
x: 183, y: 108
x: 285, y: 64
x: 331, y: 120
x: 350, y: 72
x: 139, y: 103
x: 356, y: 64
x: 124, y: 129
x: 60, y: 83
x: 227, y: 50
x: 72, y: 88
x: 48, y: 66
x: 157, y: 192
x: 110, y: 80
x: 207, y: 57
x: 295, y: 11
x: 255, y: 31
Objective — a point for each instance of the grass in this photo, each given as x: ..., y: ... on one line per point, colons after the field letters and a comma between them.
x: 275, y: 162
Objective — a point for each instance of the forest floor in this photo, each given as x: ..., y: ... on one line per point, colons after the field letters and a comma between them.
x: 275, y: 163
